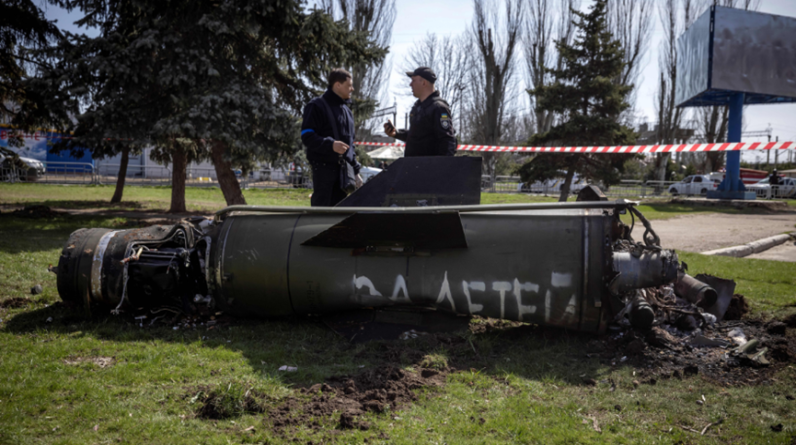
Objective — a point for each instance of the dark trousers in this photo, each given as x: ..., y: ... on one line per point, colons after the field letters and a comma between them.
x: 326, y: 191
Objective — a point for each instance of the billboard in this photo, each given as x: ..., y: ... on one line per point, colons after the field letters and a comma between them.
x: 36, y: 146
x: 731, y: 50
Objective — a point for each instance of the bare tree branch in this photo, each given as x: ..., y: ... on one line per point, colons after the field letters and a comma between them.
x: 449, y: 57
x: 375, y: 17
x: 495, y: 34
x: 541, y: 31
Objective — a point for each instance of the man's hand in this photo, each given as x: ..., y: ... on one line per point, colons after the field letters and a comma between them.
x: 340, y: 147
x: 359, y: 181
x: 389, y: 129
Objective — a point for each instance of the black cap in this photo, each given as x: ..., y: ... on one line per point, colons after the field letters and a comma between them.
x: 424, y: 72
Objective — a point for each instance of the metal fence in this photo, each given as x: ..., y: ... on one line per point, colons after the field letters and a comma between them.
x: 626, y: 188
x: 86, y: 173
x: 158, y: 175
x: 50, y: 173
x: 775, y: 192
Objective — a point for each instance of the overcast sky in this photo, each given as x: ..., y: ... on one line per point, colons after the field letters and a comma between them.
x: 416, y: 18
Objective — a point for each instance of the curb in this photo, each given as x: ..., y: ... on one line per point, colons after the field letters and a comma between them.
x: 758, y: 246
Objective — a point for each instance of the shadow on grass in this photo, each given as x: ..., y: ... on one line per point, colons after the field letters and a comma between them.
x: 31, y: 235
x: 77, y: 204
x: 525, y: 351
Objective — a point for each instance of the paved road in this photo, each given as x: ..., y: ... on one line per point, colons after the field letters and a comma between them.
x: 783, y: 252
x: 703, y: 232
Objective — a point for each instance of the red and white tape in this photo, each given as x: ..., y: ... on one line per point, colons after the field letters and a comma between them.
x: 720, y: 146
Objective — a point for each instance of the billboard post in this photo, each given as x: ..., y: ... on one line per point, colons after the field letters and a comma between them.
x: 732, y: 57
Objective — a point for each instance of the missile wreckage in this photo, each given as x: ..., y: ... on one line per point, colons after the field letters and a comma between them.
x: 573, y: 265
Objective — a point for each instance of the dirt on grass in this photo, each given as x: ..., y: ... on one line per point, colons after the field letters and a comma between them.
x: 342, y: 399
x: 14, y: 303
x: 37, y: 212
x: 711, y: 354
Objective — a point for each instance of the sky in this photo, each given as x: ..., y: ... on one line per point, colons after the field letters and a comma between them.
x: 416, y: 18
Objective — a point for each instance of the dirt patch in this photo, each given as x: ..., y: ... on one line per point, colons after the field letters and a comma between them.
x: 737, y: 309
x: 14, y: 303
x: 140, y: 223
x: 37, y: 211
x: 665, y: 353
x: 102, y: 362
x: 341, y: 399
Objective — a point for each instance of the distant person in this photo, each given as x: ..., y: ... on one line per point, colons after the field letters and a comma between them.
x: 325, y: 117
x: 773, y: 182
x: 430, y: 131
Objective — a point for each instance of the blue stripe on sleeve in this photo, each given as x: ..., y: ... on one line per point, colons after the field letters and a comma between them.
x: 308, y: 130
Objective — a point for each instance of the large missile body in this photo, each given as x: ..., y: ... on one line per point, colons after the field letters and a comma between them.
x: 553, y: 264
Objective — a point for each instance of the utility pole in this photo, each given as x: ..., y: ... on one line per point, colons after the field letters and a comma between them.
x: 768, y: 153
x: 776, y: 155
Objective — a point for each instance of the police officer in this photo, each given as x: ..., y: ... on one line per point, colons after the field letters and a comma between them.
x: 324, y: 151
x: 430, y: 130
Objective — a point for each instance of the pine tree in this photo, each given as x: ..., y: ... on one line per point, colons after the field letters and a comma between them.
x: 585, y: 95
x: 197, y: 79
x: 22, y: 27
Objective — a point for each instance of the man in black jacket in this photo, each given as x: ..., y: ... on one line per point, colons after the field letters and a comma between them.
x: 430, y: 130
x: 324, y: 150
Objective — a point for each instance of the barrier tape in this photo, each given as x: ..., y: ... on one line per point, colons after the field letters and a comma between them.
x: 719, y: 146
x: 691, y: 148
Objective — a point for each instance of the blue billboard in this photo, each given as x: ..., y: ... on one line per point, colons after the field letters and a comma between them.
x: 37, y: 146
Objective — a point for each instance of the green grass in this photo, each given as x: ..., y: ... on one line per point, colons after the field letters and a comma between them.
x: 140, y: 198
x: 210, y: 199
x: 527, y: 389
x: 770, y: 285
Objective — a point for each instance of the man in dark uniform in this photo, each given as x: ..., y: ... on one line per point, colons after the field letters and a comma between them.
x: 430, y: 130
x: 773, y: 183
x: 324, y: 151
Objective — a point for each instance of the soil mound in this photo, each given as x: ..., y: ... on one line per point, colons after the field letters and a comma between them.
x: 15, y: 302
x: 342, y: 398
x: 664, y: 353
x: 738, y: 308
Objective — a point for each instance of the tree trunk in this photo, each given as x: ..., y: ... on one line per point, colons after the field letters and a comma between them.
x: 229, y: 184
x: 117, y: 195
x: 568, y: 179
x: 661, y: 161
x: 178, y: 161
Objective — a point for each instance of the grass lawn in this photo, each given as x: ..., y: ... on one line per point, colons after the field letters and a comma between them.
x: 66, y: 379
x: 210, y: 199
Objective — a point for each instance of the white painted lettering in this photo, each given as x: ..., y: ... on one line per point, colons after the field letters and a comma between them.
x: 365, y: 282
x: 527, y: 287
x: 561, y: 279
x: 475, y: 285
x: 502, y: 286
x: 445, y: 293
x: 400, y: 285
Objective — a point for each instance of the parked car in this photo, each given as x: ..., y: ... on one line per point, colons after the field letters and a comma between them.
x: 694, y: 185
x: 786, y: 188
x: 553, y: 185
x: 20, y: 169
x: 368, y: 173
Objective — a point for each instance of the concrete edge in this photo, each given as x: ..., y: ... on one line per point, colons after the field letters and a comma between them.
x: 758, y: 246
